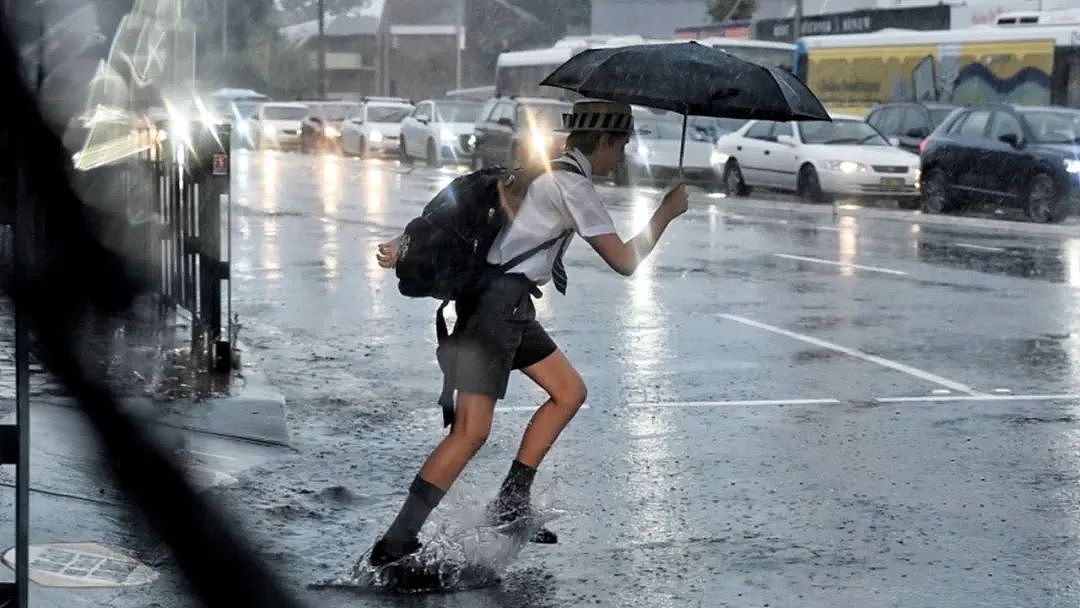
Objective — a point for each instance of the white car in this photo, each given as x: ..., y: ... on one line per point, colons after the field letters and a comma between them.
x: 818, y: 160
x: 653, y: 152
x: 375, y: 129
x: 276, y: 125
x: 439, y: 131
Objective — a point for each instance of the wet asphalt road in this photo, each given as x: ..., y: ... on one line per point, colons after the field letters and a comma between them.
x: 788, y: 406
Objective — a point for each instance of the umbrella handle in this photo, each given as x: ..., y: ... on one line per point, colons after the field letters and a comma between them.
x: 682, y: 145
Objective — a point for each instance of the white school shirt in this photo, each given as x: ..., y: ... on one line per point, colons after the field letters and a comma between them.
x: 555, y: 202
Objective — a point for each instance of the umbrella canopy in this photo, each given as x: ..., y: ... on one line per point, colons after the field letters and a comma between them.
x: 688, y: 78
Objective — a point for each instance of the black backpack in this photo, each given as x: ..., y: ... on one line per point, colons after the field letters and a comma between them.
x: 443, y: 252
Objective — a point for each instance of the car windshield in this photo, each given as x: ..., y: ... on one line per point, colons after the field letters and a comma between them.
x: 388, y: 113
x: 284, y: 112
x: 245, y: 108
x: 459, y: 112
x: 338, y: 111
x: 938, y: 115
x: 653, y: 128
x: 545, y: 117
x: 1054, y: 127
x: 841, y: 132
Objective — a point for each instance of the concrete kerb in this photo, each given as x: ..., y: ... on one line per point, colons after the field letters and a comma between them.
x: 253, y: 410
x: 908, y: 217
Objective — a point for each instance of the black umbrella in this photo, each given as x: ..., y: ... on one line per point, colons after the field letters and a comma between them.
x: 688, y: 78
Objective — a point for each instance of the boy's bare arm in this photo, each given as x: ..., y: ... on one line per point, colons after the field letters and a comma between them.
x: 624, y: 257
x: 387, y: 254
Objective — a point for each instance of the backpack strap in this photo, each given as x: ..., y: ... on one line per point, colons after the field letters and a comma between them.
x: 521, y: 257
x: 446, y: 355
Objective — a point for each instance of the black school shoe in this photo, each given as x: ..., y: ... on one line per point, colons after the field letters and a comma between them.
x: 512, y: 520
x: 387, y: 551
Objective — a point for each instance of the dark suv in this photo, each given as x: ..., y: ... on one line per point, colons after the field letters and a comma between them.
x: 1022, y: 156
x: 512, y: 130
x: 908, y: 122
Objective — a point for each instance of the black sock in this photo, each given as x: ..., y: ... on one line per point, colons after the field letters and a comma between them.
x: 423, y: 498
x: 516, y: 487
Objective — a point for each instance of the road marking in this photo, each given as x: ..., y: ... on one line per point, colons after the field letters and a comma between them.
x: 505, y: 408
x: 980, y: 247
x: 747, y: 402
x: 980, y: 397
x: 827, y: 228
x: 211, y: 455
x: 841, y: 264
x: 858, y: 354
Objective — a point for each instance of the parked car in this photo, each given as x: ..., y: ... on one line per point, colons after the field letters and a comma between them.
x: 276, y: 125
x: 1022, y: 156
x: 374, y: 129
x: 321, y: 128
x: 652, y: 156
x: 909, y: 122
x: 439, y: 130
x: 818, y: 160
x: 513, y: 131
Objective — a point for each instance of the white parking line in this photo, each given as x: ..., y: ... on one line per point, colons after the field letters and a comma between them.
x: 802, y: 258
x: 748, y: 402
x: 954, y: 398
x: 980, y: 247
x: 858, y: 354
x: 211, y: 455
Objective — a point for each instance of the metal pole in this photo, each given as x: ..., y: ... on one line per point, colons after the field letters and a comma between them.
x: 459, y: 40
x: 24, y: 225
x: 224, y: 33
x: 322, y: 53
x: 796, y: 30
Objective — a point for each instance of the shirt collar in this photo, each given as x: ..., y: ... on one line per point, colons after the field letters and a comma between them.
x: 582, y: 161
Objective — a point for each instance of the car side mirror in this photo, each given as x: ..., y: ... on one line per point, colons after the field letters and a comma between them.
x: 1011, y: 139
x: 894, y: 142
x: 505, y: 122
x: 423, y: 121
x: 787, y: 140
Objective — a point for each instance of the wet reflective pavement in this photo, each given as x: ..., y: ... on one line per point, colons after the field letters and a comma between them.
x: 788, y: 405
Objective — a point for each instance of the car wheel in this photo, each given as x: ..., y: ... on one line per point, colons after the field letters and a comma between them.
x: 809, y: 186
x: 733, y: 180
x: 935, y: 193
x: 432, y: 156
x: 403, y: 152
x: 1044, y: 204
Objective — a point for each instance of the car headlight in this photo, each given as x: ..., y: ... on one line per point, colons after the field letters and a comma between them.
x: 269, y: 130
x: 331, y: 131
x: 446, y: 135
x: 1072, y: 165
x: 539, y: 141
x: 376, y: 136
x: 718, y: 158
x: 846, y: 166
x: 472, y: 141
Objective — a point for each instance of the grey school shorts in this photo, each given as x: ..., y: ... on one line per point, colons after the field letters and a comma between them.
x: 496, y: 331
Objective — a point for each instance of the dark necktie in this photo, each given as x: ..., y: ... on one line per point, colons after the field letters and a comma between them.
x: 558, y: 270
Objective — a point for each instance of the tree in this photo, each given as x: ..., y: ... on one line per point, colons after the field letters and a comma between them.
x: 731, y: 10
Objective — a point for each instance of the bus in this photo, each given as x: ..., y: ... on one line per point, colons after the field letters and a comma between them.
x: 520, y: 72
x: 1031, y: 65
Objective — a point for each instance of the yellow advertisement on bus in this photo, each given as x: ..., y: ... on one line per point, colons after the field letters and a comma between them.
x: 851, y: 78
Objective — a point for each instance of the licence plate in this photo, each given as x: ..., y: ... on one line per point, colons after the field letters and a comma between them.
x: 892, y: 182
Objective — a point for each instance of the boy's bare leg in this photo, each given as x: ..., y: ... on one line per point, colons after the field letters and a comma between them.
x: 567, y: 393
x: 472, y: 424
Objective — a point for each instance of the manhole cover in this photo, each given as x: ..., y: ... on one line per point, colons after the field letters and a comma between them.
x: 82, y: 565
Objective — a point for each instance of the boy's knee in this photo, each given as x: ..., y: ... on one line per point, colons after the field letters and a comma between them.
x: 574, y: 395
x: 474, y: 436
